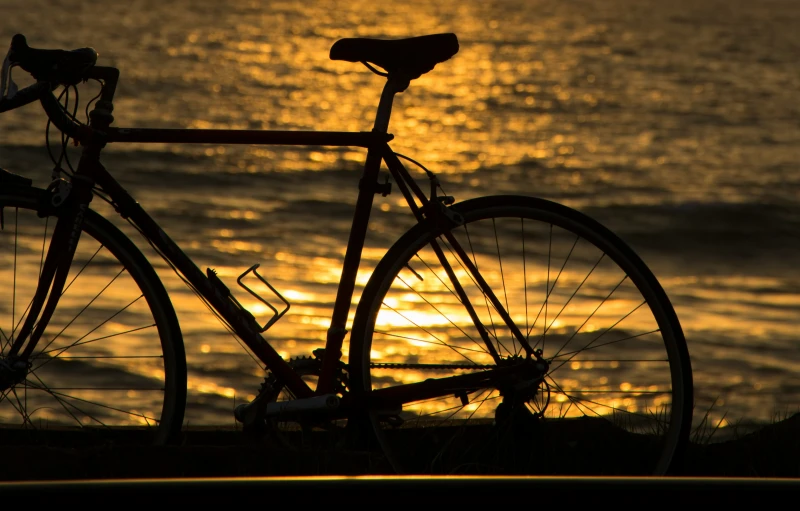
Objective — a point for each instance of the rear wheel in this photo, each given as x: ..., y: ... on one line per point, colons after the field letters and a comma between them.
x: 111, y: 361
x: 613, y: 393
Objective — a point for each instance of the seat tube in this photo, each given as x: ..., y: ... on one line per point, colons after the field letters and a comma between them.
x: 392, y: 87
x: 352, y: 260
x: 358, y: 233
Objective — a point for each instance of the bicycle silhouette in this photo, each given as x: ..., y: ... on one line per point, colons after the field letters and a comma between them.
x: 502, y: 334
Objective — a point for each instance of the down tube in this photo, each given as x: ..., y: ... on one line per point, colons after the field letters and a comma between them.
x: 129, y: 208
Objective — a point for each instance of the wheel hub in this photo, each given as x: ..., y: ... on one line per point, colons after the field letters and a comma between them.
x: 526, y: 386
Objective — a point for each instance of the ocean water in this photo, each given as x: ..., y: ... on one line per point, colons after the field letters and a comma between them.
x: 676, y: 124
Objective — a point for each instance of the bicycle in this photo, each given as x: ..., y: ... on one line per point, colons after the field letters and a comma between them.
x: 550, y: 335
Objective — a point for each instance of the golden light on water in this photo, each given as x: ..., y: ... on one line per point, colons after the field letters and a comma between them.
x: 431, y: 323
x: 566, y: 107
x: 209, y: 387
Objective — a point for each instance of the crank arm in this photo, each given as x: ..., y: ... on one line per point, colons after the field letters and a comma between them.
x: 250, y: 413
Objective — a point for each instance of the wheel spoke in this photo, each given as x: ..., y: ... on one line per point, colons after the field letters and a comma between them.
x: 80, y: 342
x: 44, y: 243
x: 549, y: 289
x: 58, y: 400
x: 14, y: 286
x: 86, y: 307
x: 574, y: 293
x: 77, y: 342
x: 589, y: 344
x: 587, y: 348
x: 435, y: 309
x: 440, y: 342
x: 486, y: 301
x: 21, y: 408
x: 61, y: 397
x: 524, y: 275
x: 78, y: 274
x: 503, y: 280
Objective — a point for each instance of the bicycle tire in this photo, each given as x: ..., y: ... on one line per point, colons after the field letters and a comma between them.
x: 617, y: 396
x: 111, y: 363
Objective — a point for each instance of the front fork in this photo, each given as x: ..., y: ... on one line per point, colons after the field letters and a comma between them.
x: 69, y: 201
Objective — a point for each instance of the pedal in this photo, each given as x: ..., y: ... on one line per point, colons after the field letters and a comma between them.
x: 391, y: 415
x: 276, y: 314
x: 250, y: 413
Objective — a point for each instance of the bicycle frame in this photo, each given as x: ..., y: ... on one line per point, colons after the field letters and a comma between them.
x: 430, y: 210
x: 374, y: 142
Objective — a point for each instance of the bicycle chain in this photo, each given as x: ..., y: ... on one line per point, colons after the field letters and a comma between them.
x: 304, y: 366
x: 387, y: 365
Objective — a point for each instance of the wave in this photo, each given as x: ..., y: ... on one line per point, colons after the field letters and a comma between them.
x: 739, y: 233
x: 189, y: 186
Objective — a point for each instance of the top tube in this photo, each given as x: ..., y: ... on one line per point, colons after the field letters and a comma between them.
x: 258, y: 137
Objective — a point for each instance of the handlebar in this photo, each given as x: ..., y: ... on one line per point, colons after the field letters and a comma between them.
x: 53, y: 68
x: 24, y: 96
x: 43, y: 91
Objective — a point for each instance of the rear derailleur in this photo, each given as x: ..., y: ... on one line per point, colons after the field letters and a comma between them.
x: 527, y: 396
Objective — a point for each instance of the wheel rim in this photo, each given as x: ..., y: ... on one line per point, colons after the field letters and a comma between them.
x: 608, y: 353
x: 100, y: 364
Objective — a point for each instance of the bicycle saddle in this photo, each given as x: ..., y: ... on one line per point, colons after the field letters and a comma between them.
x: 413, y: 56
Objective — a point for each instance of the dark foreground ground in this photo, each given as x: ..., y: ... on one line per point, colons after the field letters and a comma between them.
x: 773, y: 451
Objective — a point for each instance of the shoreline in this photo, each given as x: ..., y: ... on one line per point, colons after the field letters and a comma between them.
x: 772, y: 451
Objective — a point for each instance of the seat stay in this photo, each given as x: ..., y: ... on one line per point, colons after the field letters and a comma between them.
x: 430, y: 212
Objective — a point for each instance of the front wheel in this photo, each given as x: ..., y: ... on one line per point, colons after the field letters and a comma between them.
x: 111, y: 362
x: 615, y: 394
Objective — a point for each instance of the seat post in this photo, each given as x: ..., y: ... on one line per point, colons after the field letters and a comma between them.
x: 394, y: 84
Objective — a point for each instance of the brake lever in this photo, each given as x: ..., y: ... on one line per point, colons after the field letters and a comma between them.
x: 7, y: 86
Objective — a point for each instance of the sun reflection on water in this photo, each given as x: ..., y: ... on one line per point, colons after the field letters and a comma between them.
x: 564, y: 106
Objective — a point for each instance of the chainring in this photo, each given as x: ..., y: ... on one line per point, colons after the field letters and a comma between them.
x: 272, y: 389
